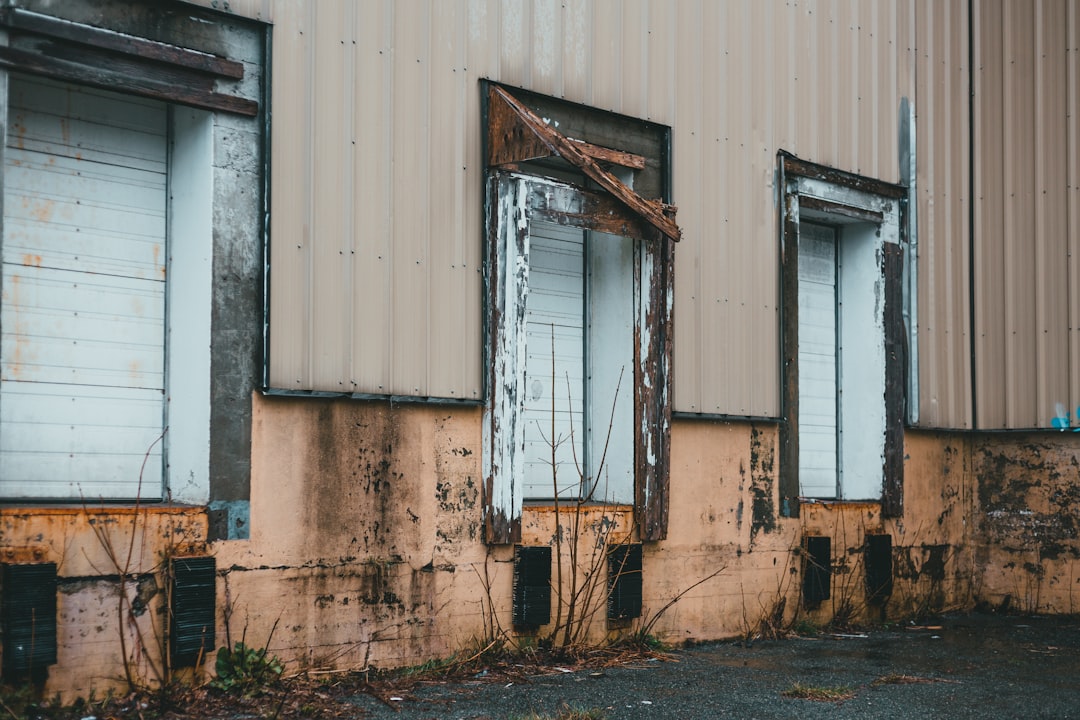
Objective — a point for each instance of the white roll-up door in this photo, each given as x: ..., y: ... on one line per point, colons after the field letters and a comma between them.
x: 554, y: 371
x: 818, y: 389
x: 83, y: 345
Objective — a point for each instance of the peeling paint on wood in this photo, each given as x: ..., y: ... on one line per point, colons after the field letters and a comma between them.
x: 892, y: 500
x: 514, y: 199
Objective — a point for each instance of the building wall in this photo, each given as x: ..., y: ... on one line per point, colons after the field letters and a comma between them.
x: 830, y: 91
x: 377, y: 197
x: 942, y: 215
x: 1026, y: 246
x: 365, y: 543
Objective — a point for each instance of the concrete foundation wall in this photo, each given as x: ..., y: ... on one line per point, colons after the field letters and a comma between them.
x: 1026, y: 522
x: 366, y: 550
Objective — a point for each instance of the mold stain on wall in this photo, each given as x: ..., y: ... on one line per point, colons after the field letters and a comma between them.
x: 762, y: 483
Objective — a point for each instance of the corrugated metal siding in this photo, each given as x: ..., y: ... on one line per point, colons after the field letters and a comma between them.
x: 376, y: 245
x: 827, y: 88
x: 944, y: 204
x: 1027, y: 278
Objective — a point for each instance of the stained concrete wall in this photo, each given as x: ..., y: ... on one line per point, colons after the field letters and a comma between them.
x: 93, y: 547
x: 366, y: 546
x: 1026, y: 521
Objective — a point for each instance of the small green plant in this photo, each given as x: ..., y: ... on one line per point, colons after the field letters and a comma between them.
x: 822, y: 694
x: 245, y: 670
x: 435, y: 666
x: 806, y: 628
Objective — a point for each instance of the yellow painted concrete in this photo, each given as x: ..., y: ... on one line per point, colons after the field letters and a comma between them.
x: 366, y: 545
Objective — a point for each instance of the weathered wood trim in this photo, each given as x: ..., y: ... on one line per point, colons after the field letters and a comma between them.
x: 652, y: 387
x: 789, y: 351
x: 27, y: 21
x: 790, y: 172
x: 578, y: 207
x: 615, y: 157
x: 655, y: 213
x: 74, y: 52
x: 793, y: 166
x: 809, y: 202
x: 36, y: 64
x: 509, y: 268
x: 509, y: 142
x: 892, y: 501
x: 511, y: 200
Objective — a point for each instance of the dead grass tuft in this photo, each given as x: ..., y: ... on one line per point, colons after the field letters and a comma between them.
x: 820, y: 694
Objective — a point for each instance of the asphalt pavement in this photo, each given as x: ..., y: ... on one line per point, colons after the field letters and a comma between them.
x: 964, y: 666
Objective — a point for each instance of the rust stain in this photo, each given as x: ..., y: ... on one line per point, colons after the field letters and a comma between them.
x: 43, y: 211
x: 31, y: 260
x: 11, y: 294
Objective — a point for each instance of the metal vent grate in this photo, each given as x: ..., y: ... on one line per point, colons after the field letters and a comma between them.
x: 532, y: 586
x: 877, y: 557
x: 28, y: 616
x: 193, y: 602
x: 624, y: 582
x: 817, y: 569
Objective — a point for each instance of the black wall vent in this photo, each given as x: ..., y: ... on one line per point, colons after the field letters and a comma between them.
x: 877, y: 557
x: 624, y: 582
x: 28, y: 617
x: 193, y: 601
x: 817, y: 569
x: 532, y: 586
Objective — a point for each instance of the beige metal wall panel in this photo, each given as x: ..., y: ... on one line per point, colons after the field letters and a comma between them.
x: 989, y: 220
x: 1051, y: 218
x: 943, y: 213
x: 372, y: 161
x: 376, y: 220
x: 290, y: 166
x: 329, y: 122
x: 689, y: 358
x: 1072, y: 161
x: 828, y: 89
x: 1025, y: 277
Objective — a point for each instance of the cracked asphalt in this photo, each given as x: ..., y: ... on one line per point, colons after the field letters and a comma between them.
x: 962, y: 666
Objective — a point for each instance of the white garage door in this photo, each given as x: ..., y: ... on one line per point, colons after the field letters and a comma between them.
x: 818, y: 390
x: 554, y: 371
x: 83, y: 308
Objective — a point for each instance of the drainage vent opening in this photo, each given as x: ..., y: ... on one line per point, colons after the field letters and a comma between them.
x: 877, y: 557
x: 532, y: 587
x: 192, y: 604
x: 624, y: 582
x: 28, y: 617
x: 817, y: 569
